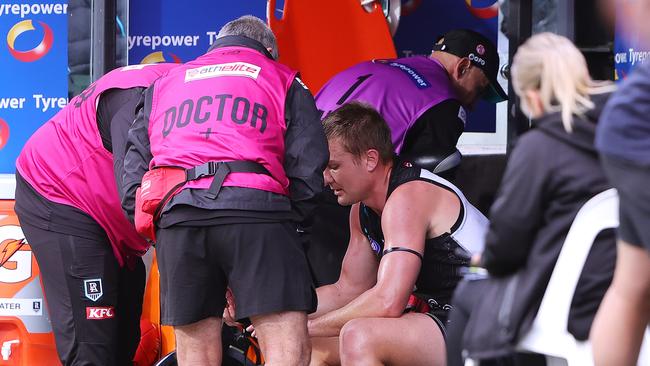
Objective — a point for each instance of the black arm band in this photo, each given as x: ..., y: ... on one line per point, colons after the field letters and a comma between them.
x: 401, y: 249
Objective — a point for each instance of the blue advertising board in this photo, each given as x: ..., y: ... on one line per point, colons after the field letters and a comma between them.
x: 33, y: 74
x: 34, y: 58
x: 173, y: 31
x: 629, y: 48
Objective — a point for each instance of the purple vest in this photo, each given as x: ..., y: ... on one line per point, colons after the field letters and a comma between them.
x: 65, y: 160
x: 226, y: 105
x: 400, y: 89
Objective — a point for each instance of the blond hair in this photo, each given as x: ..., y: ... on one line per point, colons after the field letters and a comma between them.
x: 360, y: 128
x: 551, y: 65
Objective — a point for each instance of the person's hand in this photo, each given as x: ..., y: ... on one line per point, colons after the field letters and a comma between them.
x: 229, y: 316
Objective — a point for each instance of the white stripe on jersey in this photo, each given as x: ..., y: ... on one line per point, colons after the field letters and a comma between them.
x: 470, y: 234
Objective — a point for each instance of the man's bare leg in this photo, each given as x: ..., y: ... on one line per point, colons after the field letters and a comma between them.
x: 624, y: 314
x: 412, y: 339
x: 283, y: 338
x: 199, y: 343
x: 325, y: 351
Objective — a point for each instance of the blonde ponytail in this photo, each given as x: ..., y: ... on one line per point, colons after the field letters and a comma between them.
x: 553, y: 66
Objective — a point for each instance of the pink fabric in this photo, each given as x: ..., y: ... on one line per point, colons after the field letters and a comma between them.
x: 66, y: 162
x: 226, y: 105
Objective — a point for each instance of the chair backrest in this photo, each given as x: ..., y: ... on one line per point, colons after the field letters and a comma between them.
x: 548, y: 334
x: 323, y: 38
x: 448, y: 162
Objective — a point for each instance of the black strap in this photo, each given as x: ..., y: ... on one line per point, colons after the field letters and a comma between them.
x: 219, y: 177
x: 402, y: 249
x: 220, y: 170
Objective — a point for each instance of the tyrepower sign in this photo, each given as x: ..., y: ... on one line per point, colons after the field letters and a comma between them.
x: 33, y: 70
x: 171, y: 31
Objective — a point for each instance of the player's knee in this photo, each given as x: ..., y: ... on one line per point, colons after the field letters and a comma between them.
x: 355, y: 342
x: 299, y: 356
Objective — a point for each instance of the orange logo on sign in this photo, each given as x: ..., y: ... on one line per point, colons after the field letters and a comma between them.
x: 8, y: 249
x: 4, y: 133
x: 156, y: 57
x: 35, y: 53
x: 486, y: 12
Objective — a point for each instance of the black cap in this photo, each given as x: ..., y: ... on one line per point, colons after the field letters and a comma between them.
x: 480, y: 51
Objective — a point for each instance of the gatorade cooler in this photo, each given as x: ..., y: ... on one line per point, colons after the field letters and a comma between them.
x: 26, y: 336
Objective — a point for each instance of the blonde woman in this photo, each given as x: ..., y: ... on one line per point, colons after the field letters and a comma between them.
x: 551, y: 173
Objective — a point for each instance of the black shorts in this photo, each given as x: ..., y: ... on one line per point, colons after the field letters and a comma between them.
x: 438, y: 311
x: 631, y: 180
x: 263, y: 264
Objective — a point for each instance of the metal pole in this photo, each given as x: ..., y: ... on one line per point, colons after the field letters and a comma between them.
x: 566, y: 18
x: 520, y: 25
x: 103, y: 28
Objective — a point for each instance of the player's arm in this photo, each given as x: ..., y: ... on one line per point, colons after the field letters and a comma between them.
x: 358, y: 271
x: 405, y: 222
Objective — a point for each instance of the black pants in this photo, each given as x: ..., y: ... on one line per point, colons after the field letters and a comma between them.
x: 467, y: 294
x: 94, y: 305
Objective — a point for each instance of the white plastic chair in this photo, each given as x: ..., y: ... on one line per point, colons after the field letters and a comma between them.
x: 549, y: 335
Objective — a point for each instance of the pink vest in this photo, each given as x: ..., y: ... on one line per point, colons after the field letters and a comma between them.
x: 226, y: 105
x: 66, y: 162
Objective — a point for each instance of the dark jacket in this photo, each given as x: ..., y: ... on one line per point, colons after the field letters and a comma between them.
x: 549, y: 177
x: 306, y: 155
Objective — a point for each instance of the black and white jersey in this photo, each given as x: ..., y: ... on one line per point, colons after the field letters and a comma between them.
x: 443, y: 255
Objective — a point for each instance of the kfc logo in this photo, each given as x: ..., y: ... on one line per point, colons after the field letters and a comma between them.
x: 100, y: 312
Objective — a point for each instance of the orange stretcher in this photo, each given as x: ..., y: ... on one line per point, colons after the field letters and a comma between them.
x: 322, y: 38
